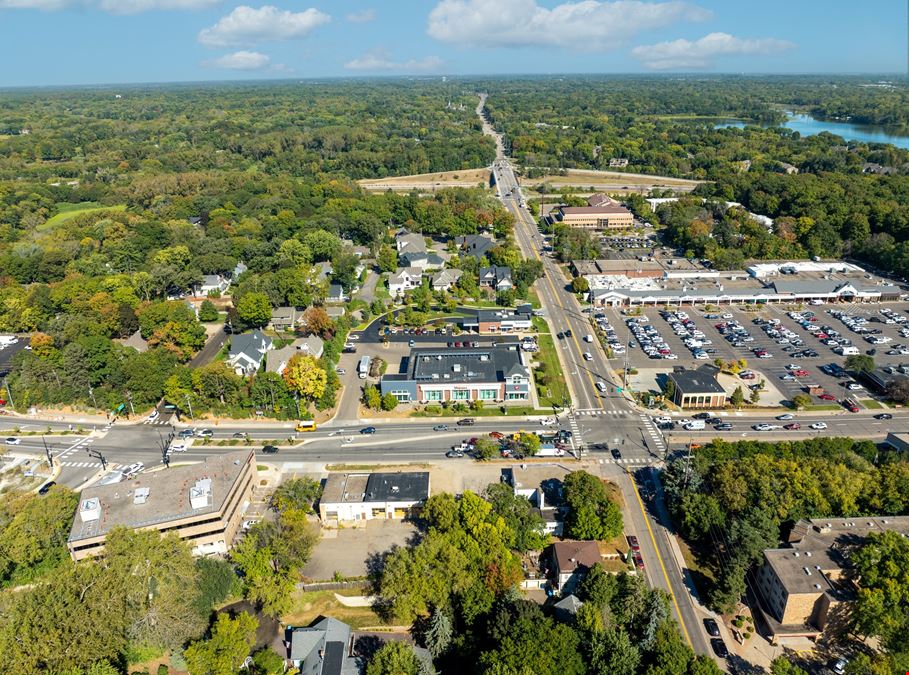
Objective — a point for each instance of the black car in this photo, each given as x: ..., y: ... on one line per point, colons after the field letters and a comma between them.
x: 713, y: 630
x: 725, y: 426
x: 701, y: 416
x: 270, y: 449
x: 561, y: 335
x: 568, y: 333
x: 883, y: 416
x: 368, y: 430
x: 719, y: 647
x: 616, y: 454
x: 46, y: 488
x: 186, y: 433
x: 466, y: 422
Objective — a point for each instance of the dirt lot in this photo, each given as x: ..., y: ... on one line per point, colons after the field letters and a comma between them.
x: 584, y: 177
x: 429, y: 181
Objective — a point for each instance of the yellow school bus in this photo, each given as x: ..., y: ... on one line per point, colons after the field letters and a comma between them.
x: 306, y: 425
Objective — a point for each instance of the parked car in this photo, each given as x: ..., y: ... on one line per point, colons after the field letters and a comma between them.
x: 712, y: 628
x: 44, y: 489
x: 719, y: 647
x: 633, y: 543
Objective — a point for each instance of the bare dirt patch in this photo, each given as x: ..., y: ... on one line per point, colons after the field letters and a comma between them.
x: 429, y: 181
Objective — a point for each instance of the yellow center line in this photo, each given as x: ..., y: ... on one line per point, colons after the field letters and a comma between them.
x: 555, y: 294
x: 656, y: 550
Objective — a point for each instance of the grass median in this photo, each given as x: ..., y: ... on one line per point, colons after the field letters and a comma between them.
x: 550, y: 380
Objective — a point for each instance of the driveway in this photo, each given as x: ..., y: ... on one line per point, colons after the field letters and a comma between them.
x: 347, y: 550
x: 210, y: 350
x: 367, y: 292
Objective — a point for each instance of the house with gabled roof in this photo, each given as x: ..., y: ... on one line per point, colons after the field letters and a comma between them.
x: 496, y: 277
x: 409, y: 242
x: 445, y: 279
x: 325, y: 648
x: 404, y: 279
x: 247, y: 351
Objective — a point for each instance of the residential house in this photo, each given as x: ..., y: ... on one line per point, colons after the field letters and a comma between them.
x: 409, y: 242
x: 474, y: 245
x: 284, y: 318
x: 239, y: 269
x: 325, y: 648
x: 212, y: 283
x: 136, y: 341
x: 496, y: 277
x: 786, y: 167
x: 276, y: 360
x: 325, y: 270
x: 404, y: 279
x: 247, y: 351
x: 202, y: 503
x: 425, y: 260
x: 490, y: 374
x: 336, y: 294
x: 567, y: 608
x: 618, y: 162
x: 335, y: 312
x: 352, y: 497
x: 444, y: 280
x: 570, y: 562
x: 803, y: 585
x: 697, y: 388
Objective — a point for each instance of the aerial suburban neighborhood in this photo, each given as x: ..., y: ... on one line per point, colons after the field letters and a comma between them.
x: 415, y: 372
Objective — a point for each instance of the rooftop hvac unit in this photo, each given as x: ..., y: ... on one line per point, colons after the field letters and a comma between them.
x: 456, y: 367
x: 141, y: 495
x: 90, y: 510
x: 484, y: 357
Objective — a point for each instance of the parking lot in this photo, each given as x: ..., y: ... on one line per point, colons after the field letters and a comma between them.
x: 802, y: 342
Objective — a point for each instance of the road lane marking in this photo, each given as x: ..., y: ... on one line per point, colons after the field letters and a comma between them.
x: 656, y: 549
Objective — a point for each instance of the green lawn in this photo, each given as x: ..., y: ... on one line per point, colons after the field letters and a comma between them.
x: 491, y: 411
x: 69, y: 211
x: 870, y: 403
x: 556, y: 389
x: 540, y: 325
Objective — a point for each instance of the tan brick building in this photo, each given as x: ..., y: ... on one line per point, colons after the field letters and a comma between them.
x: 697, y: 388
x: 802, y: 584
x: 601, y: 213
x: 203, y: 503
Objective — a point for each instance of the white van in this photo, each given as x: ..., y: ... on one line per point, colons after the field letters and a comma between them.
x: 588, y: 338
x: 847, y: 351
x: 695, y: 425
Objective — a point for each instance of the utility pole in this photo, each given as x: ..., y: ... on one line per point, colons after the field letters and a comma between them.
x: 188, y: 403
x: 9, y: 394
x: 50, y: 462
x: 129, y: 397
x: 91, y: 392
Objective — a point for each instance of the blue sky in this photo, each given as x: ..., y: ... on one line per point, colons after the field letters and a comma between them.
x: 59, y: 42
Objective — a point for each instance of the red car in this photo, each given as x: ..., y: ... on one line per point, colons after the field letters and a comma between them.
x: 800, y: 373
x: 851, y: 408
x: 498, y: 435
x: 827, y: 397
x: 795, y: 426
x: 821, y: 336
x: 633, y: 543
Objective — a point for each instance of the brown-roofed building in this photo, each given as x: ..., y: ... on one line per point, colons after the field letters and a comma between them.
x: 801, y: 585
x: 601, y: 213
x: 698, y: 388
x: 203, y: 503
x: 571, y: 560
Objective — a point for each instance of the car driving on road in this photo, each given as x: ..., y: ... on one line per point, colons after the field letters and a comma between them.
x: 368, y: 431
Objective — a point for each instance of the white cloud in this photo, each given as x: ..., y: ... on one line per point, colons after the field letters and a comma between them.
x: 380, y: 60
x: 365, y: 16
x: 112, y: 6
x: 247, y: 26
x: 587, y: 25
x: 687, y: 55
x: 242, y: 60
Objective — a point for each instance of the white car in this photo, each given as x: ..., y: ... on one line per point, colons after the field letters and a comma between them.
x: 153, y: 416
x: 662, y: 420
x: 548, y: 422
x: 13, y: 440
x: 588, y: 356
x: 765, y: 427
x: 786, y: 417
x: 819, y: 425
x: 353, y: 336
x: 132, y: 469
x: 854, y: 386
x: 601, y: 386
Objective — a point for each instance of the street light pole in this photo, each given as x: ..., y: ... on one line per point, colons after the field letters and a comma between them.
x: 91, y: 392
x: 188, y: 403
x: 9, y: 394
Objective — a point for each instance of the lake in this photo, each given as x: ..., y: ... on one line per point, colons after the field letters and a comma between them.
x: 806, y: 125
